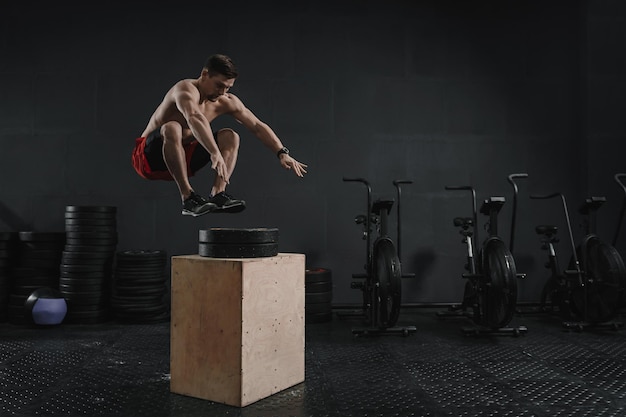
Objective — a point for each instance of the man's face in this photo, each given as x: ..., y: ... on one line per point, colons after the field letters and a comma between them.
x: 218, y: 85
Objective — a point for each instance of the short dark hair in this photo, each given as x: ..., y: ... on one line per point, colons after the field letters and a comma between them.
x: 221, y: 64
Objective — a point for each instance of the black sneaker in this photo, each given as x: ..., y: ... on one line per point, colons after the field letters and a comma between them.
x: 226, y: 204
x: 195, y: 205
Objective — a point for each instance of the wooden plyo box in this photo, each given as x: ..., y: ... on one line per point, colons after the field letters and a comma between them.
x: 237, y: 327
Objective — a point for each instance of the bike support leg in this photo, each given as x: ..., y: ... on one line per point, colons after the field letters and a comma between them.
x: 502, y: 331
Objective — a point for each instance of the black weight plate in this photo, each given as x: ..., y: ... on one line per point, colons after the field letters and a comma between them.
x: 132, y: 280
x: 318, y: 297
x: 144, y: 276
x: 75, y: 289
x: 68, y: 255
x: 322, y: 317
x: 136, y: 270
x: 9, y: 236
x: 91, y: 209
x: 317, y: 275
x: 81, y: 268
x: 104, y: 274
x: 8, y: 244
x: 91, y: 229
x: 92, y: 235
x: 92, y: 242
x: 101, y: 264
x: 139, y: 268
x: 141, y: 261
x: 128, y: 305
x: 141, y: 254
x: 79, y: 279
x: 219, y: 235
x: 139, y: 291
x: 24, y: 272
x: 42, y: 245
x: 255, y: 250
x: 42, y: 281
x: 85, y: 300
x: 89, y: 216
x: 42, y: 236
x: 88, y: 221
x: 314, y: 308
x: 26, y: 290
x: 30, y: 253
x: 41, y: 264
x: 315, y: 287
x: 85, y: 248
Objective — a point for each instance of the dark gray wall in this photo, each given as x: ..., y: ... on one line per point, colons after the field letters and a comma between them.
x: 438, y: 92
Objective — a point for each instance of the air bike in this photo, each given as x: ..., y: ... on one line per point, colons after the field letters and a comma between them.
x: 589, y: 292
x: 490, y: 295
x: 381, y: 283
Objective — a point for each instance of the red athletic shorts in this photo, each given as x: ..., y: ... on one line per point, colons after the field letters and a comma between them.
x: 147, y: 157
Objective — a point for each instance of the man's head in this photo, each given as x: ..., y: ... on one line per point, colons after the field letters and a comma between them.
x: 221, y: 64
x: 219, y: 74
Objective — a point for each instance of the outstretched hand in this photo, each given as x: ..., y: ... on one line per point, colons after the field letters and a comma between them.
x: 218, y: 164
x: 290, y: 163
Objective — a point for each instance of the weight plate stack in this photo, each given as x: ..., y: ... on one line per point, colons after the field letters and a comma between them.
x: 87, y: 262
x: 37, y: 266
x: 221, y: 242
x: 139, y: 287
x: 8, y: 259
x: 318, y: 295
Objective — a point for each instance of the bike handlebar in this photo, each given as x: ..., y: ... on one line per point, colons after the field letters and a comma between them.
x: 519, y: 175
x: 511, y: 178
x: 459, y: 187
x: 544, y: 196
x: 363, y: 180
x: 618, y: 178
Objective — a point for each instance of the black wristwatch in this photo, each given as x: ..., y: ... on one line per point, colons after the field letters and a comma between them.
x: 281, y: 151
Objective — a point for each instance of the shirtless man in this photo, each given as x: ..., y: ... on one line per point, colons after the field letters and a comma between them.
x: 178, y: 139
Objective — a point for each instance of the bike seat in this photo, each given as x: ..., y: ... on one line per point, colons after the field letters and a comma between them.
x: 547, y: 230
x: 463, y: 222
x: 591, y: 204
x: 492, y: 203
x: 360, y: 219
x: 379, y: 205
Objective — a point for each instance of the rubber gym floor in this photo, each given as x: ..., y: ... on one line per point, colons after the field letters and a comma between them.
x: 113, y: 369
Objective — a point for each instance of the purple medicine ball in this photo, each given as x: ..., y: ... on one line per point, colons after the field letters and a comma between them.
x: 45, y: 306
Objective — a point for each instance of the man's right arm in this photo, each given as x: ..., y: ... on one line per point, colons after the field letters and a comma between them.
x: 186, y: 102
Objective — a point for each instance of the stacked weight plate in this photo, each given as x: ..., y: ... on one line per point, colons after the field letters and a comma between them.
x: 139, y: 287
x: 318, y: 295
x: 39, y: 255
x: 8, y: 256
x: 238, y: 243
x: 87, y: 262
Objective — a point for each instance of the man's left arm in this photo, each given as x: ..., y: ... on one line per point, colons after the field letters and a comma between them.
x: 269, y: 138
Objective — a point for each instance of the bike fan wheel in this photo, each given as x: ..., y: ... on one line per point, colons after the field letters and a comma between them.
x: 499, y: 292
x: 601, y: 297
x: 387, y: 275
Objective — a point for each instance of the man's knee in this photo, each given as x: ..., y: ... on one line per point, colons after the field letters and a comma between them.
x: 227, y: 139
x: 172, y: 131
